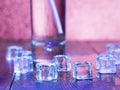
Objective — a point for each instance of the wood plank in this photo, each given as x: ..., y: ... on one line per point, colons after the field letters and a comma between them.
x: 80, y: 48
x: 104, y: 83
x: 100, y: 46
x: 77, y: 52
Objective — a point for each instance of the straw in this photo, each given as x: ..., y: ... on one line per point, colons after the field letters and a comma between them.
x: 56, y: 17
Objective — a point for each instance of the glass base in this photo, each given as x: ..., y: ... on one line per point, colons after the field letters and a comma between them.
x: 47, y: 47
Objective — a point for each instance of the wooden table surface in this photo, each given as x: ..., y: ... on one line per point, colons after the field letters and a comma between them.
x: 78, y: 51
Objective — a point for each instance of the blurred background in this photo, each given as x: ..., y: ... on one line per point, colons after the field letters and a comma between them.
x: 92, y: 20
x: 15, y: 18
x: 82, y: 20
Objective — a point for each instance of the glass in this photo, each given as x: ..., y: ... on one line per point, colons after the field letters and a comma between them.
x: 27, y: 53
x: 46, y: 71
x: 28, y: 57
x: 26, y: 64
x: 116, y: 54
x: 62, y: 62
x: 82, y: 70
x: 106, y: 64
x: 98, y: 58
x: 48, y: 37
x: 23, y: 63
x: 112, y: 46
x: 10, y: 53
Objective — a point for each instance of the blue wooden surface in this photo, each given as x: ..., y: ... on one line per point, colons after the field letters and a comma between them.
x: 6, y: 73
x: 65, y: 85
x: 65, y: 81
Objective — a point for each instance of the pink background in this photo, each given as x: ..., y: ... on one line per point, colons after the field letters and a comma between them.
x: 14, y: 20
x: 93, y: 20
x: 85, y: 19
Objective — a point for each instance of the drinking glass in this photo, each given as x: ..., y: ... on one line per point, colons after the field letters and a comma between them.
x: 48, y: 36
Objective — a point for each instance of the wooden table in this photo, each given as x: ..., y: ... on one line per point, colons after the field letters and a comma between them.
x: 78, y: 51
x: 6, y: 74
